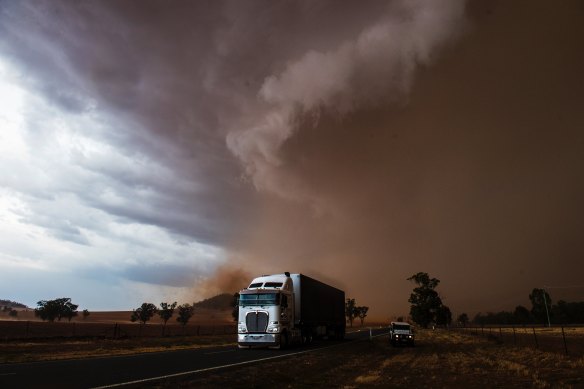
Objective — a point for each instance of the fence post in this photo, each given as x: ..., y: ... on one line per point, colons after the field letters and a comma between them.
x: 514, y: 336
x: 565, y: 344
x: 500, y: 333
x: 483, y: 330
x: 535, y: 337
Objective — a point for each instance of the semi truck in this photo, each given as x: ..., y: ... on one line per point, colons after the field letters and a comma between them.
x: 280, y: 309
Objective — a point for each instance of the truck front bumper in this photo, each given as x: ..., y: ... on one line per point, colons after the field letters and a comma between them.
x: 264, y: 340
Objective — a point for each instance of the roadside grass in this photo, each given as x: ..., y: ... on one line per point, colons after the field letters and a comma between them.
x: 457, y: 360
x: 440, y: 359
x: 56, y: 349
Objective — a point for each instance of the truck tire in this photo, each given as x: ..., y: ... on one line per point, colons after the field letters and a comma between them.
x: 284, y: 341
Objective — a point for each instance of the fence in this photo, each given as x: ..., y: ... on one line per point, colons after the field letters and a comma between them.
x: 568, y: 340
x: 13, y: 330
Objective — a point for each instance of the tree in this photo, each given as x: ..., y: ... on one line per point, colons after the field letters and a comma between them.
x: 185, y: 312
x: 56, y: 309
x: 426, y: 303
x: 521, y: 315
x: 166, y: 311
x: 361, y: 313
x: 541, y: 304
x: 443, y: 316
x: 85, y: 314
x: 463, y: 319
x: 144, y: 313
x: 350, y: 312
x: 565, y: 312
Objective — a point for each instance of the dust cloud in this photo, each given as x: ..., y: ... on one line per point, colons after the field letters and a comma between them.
x: 442, y: 139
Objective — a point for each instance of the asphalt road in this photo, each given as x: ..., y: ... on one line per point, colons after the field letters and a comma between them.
x: 120, y: 370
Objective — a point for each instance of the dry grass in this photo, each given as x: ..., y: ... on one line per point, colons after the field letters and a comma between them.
x: 14, y: 352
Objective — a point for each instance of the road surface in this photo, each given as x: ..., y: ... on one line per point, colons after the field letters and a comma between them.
x: 118, y: 371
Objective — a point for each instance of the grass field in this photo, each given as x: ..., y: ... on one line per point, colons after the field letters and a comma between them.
x: 54, y: 349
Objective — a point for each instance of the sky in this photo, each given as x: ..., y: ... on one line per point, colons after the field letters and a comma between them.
x: 169, y: 151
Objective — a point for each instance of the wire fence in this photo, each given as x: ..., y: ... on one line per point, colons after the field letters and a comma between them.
x: 567, y: 340
x: 15, y: 330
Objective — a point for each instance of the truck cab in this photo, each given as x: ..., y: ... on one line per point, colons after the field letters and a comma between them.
x: 266, y: 312
x: 401, y: 333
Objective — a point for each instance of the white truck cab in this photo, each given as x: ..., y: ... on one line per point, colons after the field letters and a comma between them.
x: 266, y: 312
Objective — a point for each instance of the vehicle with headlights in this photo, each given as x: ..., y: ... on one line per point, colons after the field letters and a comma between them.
x: 280, y: 309
x: 401, y: 333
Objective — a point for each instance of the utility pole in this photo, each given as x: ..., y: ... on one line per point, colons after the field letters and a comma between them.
x: 546, y: 308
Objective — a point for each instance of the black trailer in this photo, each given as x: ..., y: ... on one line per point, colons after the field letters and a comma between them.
x: 320, y: 308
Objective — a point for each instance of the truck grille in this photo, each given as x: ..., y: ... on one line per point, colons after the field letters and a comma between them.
x: 256, y: 321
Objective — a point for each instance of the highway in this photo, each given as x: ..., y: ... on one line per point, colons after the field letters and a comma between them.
x: 119, y: 371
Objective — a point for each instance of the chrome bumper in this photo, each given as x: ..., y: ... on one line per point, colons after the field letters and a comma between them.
x: 265, y: 340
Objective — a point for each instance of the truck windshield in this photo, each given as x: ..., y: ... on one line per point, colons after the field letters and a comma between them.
x: 246, y: 300
x: 402, y: 327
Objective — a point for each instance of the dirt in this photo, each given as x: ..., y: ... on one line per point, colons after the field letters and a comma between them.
x: 440, y: 359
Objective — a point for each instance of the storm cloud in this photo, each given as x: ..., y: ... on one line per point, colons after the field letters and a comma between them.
x: 153, y: 144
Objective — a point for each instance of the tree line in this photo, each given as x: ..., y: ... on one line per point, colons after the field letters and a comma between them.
x: 146, y: 311
x: 352, y: 311
x: 63, y: 308
x: 57, y: 309
x: 541, y: 309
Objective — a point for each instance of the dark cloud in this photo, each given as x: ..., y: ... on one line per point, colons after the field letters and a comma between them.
x: 167, y: 274
x: 359, y: 144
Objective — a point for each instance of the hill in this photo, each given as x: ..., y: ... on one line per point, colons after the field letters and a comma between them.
x: 11, y: 304
x: 221, y: 301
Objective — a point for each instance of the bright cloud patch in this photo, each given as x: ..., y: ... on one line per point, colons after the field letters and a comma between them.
x: 68, y: 198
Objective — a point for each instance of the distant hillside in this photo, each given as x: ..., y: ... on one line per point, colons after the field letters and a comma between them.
x: 11, y: 304
x: 221, y: 301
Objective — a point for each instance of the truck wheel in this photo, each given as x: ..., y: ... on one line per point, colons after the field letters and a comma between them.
x: 284, y: 340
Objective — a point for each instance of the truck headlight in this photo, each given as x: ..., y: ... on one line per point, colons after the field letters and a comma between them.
x: 273, y: 329
x: 241, y: 328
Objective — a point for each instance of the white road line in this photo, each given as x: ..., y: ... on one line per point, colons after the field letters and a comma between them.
x: 219, y: 367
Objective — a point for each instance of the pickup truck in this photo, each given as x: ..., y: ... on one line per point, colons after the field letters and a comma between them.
x: 401, y: 333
